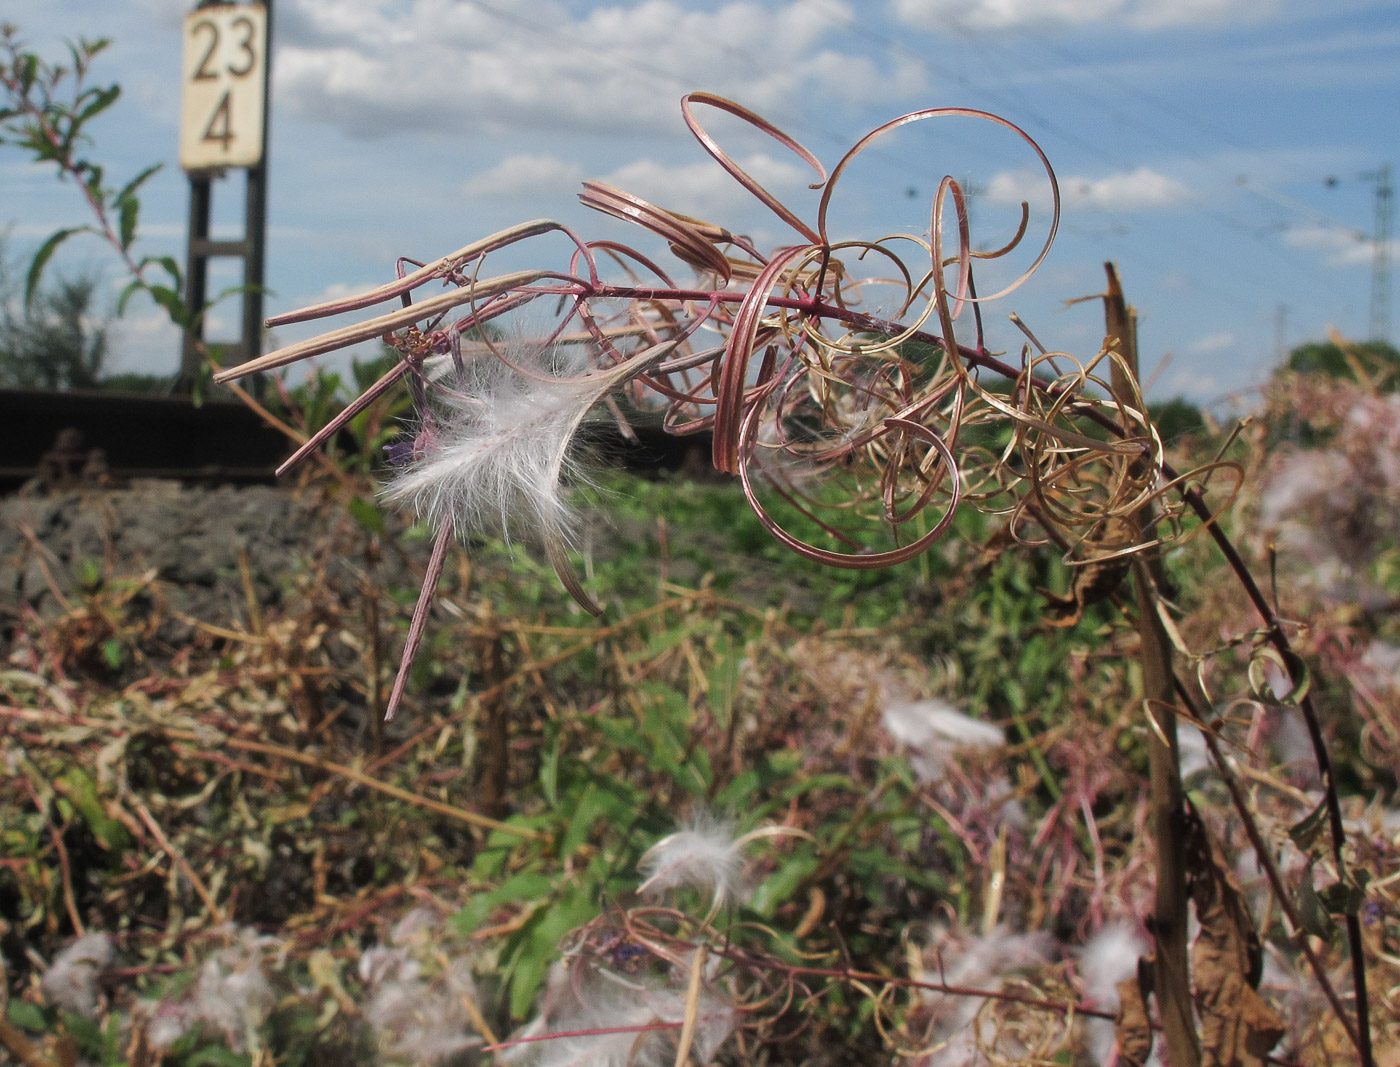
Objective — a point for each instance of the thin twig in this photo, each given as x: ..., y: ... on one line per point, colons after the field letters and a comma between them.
x: 360, y: 778
x: 178, y: 858
x: 692, y: 1005
x: 70, y: 903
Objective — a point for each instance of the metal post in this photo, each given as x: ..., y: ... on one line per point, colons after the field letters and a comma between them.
x: 255, y: 223
x: 196, y: 279
x: 251, y: 248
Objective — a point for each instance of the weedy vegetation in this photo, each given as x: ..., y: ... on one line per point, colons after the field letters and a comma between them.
x: 1075, y: 751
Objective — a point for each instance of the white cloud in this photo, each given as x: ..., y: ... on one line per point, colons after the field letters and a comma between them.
x: 513, y: 67
x: 705, y: 190
x: 144, y: 341
x: 337, y: 291
x: 702, y: 189
x: 1140, y: 14
x: 1194, y: 383
x: 1340, y: 248
x: 1212, y: 342
x: 526, y: 175
x: 1142, y: 188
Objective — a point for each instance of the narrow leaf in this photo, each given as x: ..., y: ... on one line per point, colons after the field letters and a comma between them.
x: 1346, y: 896
x: 171, y: 268
x: 131, y: 210
x: 238, y: 290
x: 102, y: 100
x: 132, y: 287
x: 94, y: 182
x: 170, y: 300
x: 42, y: 257
x: 1306, y: 831
x: 1312, y: 912
x: 138, y: 181
x: 367, y: 514
x: 28, y: 71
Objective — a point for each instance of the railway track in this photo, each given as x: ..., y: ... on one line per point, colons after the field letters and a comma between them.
x: 67, y: 439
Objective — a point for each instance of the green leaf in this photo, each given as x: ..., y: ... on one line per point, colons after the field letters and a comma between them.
x: 549, y: 768
x: 42, y: 257
x: 113, y: 653
x: 102, y: 99
x: 1311, y: 911
x: 528, y: 973
x: 779, y: 886
x: 81, y: 792
x: 128, y: 290
x: 130, y: 212
x: 170, y: 300
x: 738, y: 794
x: 85, y: 1032
x: 723, y: 677
x: 1342, y: 899
x: 93, y: 182
x: 587, y: 811
x: 238, y: 290
x: 136, y: 182
x: 367, y: 515
x: 489, y: 863
x: 528, y: 886
x: 216, y: 1056
x: 94, y: 46
x: 27, y: 1016
x: 28, y: 70
x: 818, y: 782
x: 88, y: 574
x: 113, y: 1054
x: 539, y: 946
x: 171, y: 268
x: 1309, y: 828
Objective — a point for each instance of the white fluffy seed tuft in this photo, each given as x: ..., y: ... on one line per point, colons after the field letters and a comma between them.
x: 581, y: 1001
x: 705, y: 855
x: 71, y: 980
x: 233, y: 997
x: 419, y: 998
x: 936, y: 733
x: 498, y: 443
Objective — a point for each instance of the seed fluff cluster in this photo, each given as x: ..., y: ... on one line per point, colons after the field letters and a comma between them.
x: 495, y: 443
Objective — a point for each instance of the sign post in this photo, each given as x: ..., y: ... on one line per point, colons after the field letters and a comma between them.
x: 225, y: 78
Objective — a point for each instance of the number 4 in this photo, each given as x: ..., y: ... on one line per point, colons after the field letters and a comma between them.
x: 219, y: 128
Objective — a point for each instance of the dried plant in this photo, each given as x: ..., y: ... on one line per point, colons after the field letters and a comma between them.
x: 873, y: 427
x: 862, y: 421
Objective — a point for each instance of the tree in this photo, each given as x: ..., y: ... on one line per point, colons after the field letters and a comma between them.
x: 54, y: 341
x: 1376, y: 362
x: 1176, y: 418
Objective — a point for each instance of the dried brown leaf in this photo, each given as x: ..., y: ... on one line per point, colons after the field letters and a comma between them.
x: 1134, y: 1028
x: 1238, y: 1029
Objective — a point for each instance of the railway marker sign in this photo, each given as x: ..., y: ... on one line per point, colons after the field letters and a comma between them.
x: 223, y: 106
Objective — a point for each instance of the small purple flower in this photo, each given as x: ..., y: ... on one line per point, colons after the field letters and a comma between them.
x: 399, y: 453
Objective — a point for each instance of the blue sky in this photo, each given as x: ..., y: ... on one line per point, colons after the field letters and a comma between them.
x: 1194, y: 142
